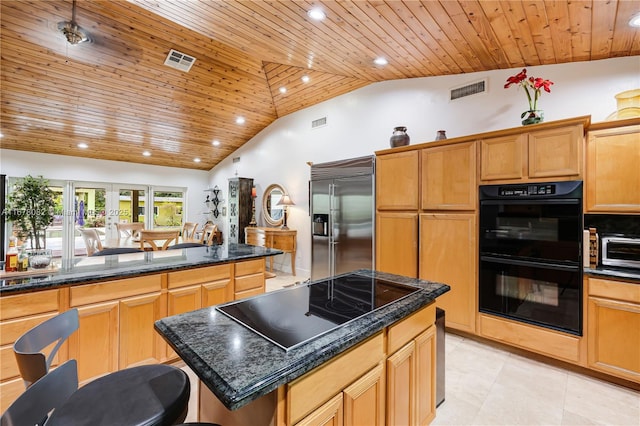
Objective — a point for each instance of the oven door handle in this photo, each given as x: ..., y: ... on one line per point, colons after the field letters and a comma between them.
x: 529, y: 201
x: 519, y: 262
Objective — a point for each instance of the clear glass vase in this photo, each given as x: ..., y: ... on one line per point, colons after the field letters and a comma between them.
x: 532, y: 116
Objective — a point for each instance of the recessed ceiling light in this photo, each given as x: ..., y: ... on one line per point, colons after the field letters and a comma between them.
x: 1, y: 135
x: 146, y: 153
x: 635, y: 21
x: 305, y: 78
x: 196, y: 160
x: 316, y: 14
x: 83, y: 145
x: 240, y: 120
x: 380, y: 61
x: 215, y: 143
x: 283, y: 90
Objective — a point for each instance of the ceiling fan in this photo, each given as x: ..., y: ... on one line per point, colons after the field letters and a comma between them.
x: 72, y: 32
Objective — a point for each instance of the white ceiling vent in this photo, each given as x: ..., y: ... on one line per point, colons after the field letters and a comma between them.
x: 319, y: 122
x: 468, y: 90
x: 179, y: 60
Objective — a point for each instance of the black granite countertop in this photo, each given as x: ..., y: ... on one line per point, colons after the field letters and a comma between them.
x: 239, y: 366
x: 625, y: 274
x: 99, y: 268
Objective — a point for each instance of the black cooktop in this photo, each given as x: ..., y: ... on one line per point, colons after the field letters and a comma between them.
x: 294, y: 316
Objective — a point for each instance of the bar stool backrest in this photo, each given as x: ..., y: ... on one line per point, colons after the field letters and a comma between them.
x: 50, y: 392
x: 28, y: 349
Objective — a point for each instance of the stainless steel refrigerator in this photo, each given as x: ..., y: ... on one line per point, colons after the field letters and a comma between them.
x: 342, y: 216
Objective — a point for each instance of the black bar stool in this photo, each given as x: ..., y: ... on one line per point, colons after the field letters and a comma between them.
x: 145, y: 395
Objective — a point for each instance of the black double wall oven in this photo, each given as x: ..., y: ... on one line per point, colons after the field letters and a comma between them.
x: 530, y: 253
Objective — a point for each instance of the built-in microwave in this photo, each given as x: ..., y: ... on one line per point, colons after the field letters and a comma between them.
x: 621, y: 251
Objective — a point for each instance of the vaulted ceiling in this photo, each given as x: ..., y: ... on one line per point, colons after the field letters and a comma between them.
x: 115, y: 95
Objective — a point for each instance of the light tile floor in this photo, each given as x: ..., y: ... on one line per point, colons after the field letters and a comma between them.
x: 487, y: 385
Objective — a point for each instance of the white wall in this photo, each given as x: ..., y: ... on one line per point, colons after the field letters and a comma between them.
x: 361, y: 122
x: 61, y: 167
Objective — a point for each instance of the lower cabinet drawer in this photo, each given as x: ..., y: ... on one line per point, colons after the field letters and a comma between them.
x: 317, y: 386
x: 249, y: 282
x: 249, y: 267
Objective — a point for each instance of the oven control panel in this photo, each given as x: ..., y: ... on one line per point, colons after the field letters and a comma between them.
x: 526, y: 190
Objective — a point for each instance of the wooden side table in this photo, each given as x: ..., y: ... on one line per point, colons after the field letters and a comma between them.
x: 276, y: 238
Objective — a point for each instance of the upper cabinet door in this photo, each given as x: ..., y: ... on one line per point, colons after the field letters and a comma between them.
x: 613, y: 170
x: 397, y: 181
x: 556, y: 152
x: 503, y: 157
x: 449, y: 177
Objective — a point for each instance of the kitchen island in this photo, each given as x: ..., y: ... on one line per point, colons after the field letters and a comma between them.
x: 119, y: 297
x: 385, y: 357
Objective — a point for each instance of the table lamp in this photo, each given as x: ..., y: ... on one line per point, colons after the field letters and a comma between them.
x: 285, y: 201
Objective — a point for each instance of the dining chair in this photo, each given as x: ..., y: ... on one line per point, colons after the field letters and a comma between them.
x: 158, y: 239
x: 208, y: 233
x: 155, y: 394
x: 129, y: 230
x: 189, y: 231
x: 91, y: 240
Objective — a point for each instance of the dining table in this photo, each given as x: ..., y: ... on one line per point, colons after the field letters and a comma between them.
x: 132, y: 242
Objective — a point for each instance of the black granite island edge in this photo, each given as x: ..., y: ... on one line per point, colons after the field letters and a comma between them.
x: 239, y: 366
x: 132, y: 265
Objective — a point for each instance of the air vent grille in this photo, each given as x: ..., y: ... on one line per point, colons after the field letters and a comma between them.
x: 179, y: 60
x: 319, y: 122
x: 468, y: 90
x: 236, y: 159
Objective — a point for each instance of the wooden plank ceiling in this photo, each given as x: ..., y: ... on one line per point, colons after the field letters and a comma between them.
x: 115, y: 94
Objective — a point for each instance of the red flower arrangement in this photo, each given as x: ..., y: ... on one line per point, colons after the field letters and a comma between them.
x: 536, y: 84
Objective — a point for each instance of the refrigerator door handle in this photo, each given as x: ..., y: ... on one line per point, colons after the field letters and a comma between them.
x: 332, y: 266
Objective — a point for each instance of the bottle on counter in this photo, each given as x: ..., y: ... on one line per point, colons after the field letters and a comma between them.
x: 11, y: 258
x: 23, y: 260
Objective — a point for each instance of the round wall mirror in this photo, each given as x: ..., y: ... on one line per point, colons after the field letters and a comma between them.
x: 271, y: 211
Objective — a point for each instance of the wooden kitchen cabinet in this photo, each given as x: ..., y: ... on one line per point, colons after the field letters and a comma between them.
x: 552, y: 152
x: 411, y: 373
x: 401, y: 376
x: 613, y: 321
x: 449, y: 177
x: 330, y: 414
x: 398, y: 181
x: 95, y: 344
x: 364, y: 400
x: 116, y: 325
x: 397, y: 243
x: 139, y: 342
x: 449, y: 254
x: 503, y: 157
x: 613, y: 175
x: 249, y: 278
